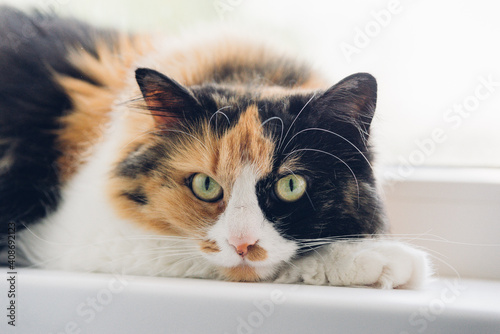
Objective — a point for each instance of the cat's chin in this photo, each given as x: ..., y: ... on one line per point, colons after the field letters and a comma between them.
x: 246, y: 273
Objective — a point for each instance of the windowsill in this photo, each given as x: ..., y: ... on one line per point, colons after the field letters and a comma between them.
x: 452, y: 213
x: 431, y: 205
x: 62, y: 302
x: 442, y: 174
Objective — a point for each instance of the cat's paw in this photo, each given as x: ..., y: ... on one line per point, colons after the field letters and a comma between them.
x: 371, y: 262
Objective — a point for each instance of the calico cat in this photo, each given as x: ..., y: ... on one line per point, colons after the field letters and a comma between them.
x: 216, y: 157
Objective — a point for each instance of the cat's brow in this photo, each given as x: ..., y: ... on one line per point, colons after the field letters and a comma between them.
x: 183, y: 132
x: 333, y: 133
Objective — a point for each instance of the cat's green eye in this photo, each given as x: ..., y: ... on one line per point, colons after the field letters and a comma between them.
x: 290, y: 188
x: 205, y: 188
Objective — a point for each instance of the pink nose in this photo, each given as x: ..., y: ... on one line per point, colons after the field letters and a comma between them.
x: 241, y: 245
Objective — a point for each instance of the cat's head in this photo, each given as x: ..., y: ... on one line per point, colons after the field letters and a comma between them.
x: 255, y: 177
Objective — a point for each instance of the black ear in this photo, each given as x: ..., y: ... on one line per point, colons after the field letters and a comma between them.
x: 167, y: 100
x: 352, y: 100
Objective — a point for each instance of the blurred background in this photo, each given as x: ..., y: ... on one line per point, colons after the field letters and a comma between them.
x: 437, y: 62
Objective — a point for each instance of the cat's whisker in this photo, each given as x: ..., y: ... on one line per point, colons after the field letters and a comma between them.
x: 120, y: 257
x: 183, y: 132
x: 432, y: 252
x: 222, y: 113
x: 296, y: 117
x: 453, y: 269
x: 115, y: 239
x: 333, y: 133
x: 282, y: 126
x: 132, y: 100
x: 290, y: 263
x: 150, y: 258
x: 168, y: 250
x: 333, y: 156
x: 436, y: 238
x: 315, y: 244
x: 153, y: 255
x: 154, y: 131
x: 134, y: 139
x: 185, y: 259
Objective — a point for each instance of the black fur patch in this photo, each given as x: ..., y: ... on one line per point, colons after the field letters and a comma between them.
x: 30, y: 105
x: 137, y: 196
x: 327, y: 134
x: 140, y: 162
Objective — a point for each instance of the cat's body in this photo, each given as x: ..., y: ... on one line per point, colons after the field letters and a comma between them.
x: 215, y: 158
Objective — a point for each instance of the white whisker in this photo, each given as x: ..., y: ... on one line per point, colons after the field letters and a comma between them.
x: 296, y: 117
x: 183, y: 132
x: 223, y: 114
x: 334, y: 156
x: 282, y: 126
x: 333, y: 133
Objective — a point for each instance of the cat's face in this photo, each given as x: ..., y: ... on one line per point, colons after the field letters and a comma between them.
x: 253, y: 178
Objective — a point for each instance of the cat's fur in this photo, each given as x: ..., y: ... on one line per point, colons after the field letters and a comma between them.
x: 101, y: 135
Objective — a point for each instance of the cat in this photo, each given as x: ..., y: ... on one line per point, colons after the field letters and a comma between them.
x: 217, y: 157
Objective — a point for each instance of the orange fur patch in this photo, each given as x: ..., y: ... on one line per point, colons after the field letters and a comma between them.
x: 241, y: 274
x: 86, y: 122
x: 174, y: 209
x: 209, y: 246
x: 243, y: 144
x: 256, y: 253
x: 198, y: 63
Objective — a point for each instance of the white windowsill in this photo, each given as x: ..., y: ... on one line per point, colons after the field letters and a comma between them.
x: 62, y: 302
x: 452, y: 212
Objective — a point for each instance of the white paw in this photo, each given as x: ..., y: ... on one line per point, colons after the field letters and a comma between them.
x: 370, y: 262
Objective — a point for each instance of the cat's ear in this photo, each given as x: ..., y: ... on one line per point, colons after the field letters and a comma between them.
x: 352, y: 100
x: 167, y: 100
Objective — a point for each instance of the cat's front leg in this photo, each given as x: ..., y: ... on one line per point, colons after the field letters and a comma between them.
x: 368, y: 262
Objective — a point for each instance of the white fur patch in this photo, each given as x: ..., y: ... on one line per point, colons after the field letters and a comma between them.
x: 243, y: 218
x: 85, y: 234
x: 369, y: 262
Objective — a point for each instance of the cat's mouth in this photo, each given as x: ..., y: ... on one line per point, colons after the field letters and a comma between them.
x: 248, y: 273
x: 241, y: 273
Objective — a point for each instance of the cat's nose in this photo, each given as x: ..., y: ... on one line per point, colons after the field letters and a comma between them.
x: 242, y: 245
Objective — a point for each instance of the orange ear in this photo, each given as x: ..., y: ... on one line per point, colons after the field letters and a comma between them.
x: 167, y: 100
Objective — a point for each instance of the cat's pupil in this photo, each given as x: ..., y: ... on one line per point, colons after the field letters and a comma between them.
x: 207, y: 183
x: 290, y: 184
